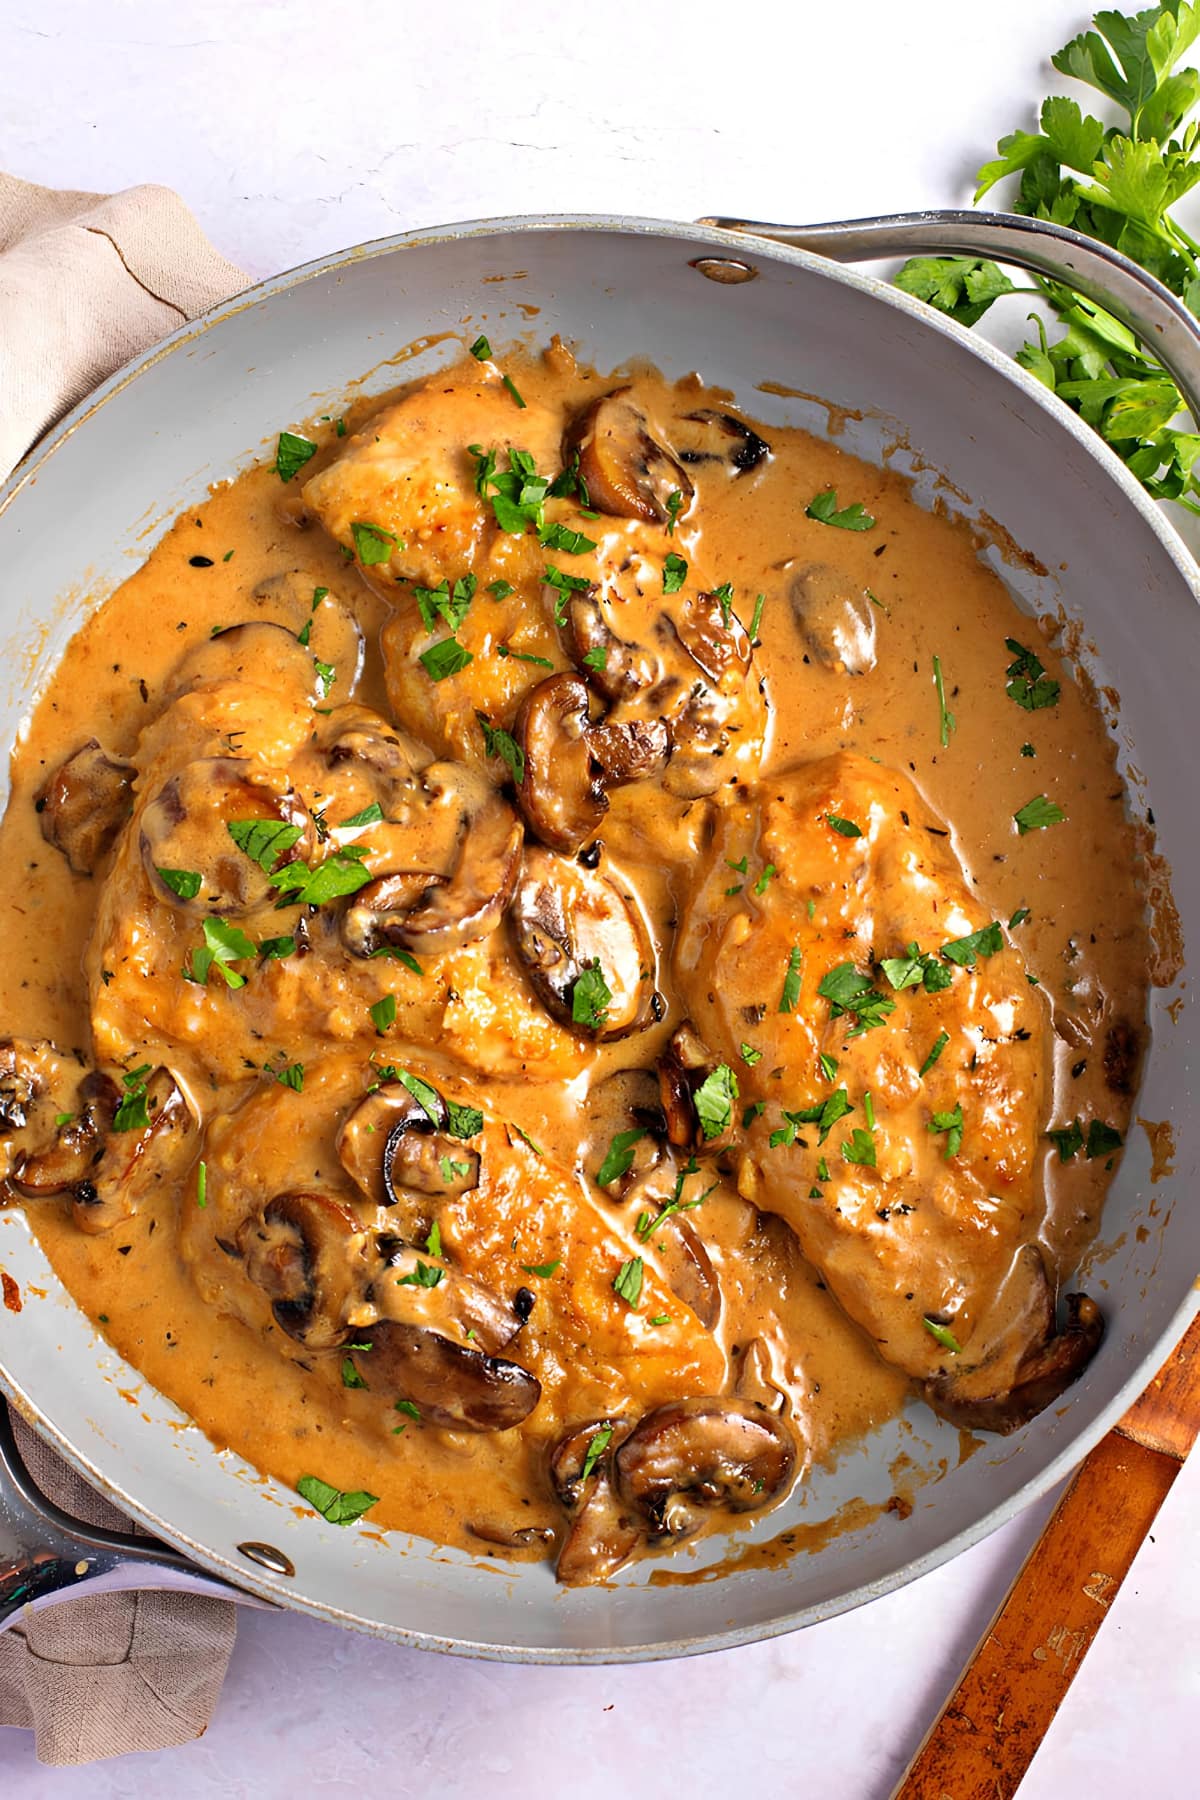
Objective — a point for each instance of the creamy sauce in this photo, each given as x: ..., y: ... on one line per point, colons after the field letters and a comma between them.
x: 100, y: 958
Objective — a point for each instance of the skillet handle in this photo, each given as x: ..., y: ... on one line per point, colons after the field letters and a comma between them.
x: 1151, y: 311
x: 47, y: 1557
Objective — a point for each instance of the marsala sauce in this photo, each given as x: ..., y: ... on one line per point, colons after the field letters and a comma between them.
x: 1085, y: 938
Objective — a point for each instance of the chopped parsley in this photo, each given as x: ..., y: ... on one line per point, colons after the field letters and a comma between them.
x: 750, y: 1055
x: 618, y: 1158
x: 383, y: 1014
x: 966, y: 951
x: 288, y: 1075
x: 433, y: 1243
x: 333, y: 1505
x: 627, y: 1282
x: 1019, y: 917
x: 517, y: 494
x: 1101, y: 1140
x: 760, y: 886
x: 447, y: 657
x: 590, y: 997
x: 596, y: 658
x: 543, y: 1270
x: 540, y: 662
x: 674, y: 508
x: 828, y: 1064
x: 481, y: 350
x: 597, y: 1445
x: 451, y: 604
x: 714, y: 1100
x: 674, y: 573
x: 511, y: 385
x: 500, y: 590
x: 291, y: 454
x: 223, y: 945
x: 1037, y: 813
x: 426, y: 1097
x: 561, y: 537
x: 337, y: 875
x: 939, y: 1044
x: 202, y: 1184
x: 848, y: 991
x: 184, y: 882
x: 756, y: 621
x: 451, y: 1171
x: 264, y: 841
x: 275, y: 949
x: 350, y: 1375
x: 946, y: 719
x: 422, y: 1276
x: 370, y: 815
x: 1029, y: 685
x: 824, y: 1116
x: 943, y: 1335
x: 824, y: 508
x: 844, y: 827
x: 372, y: 543
x: 326, y: 676
x: 790, y: 996
x: 916, y: 968
x: 499, y: 743
x: 859, y: 1147
x: 463, y: 1121
x: 952, y: 1124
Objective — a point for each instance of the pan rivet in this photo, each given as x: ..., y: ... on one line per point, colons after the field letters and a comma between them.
x: 725, y: 269
x: 268, y: 1557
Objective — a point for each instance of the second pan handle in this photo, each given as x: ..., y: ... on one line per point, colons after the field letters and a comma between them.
x: 1156, y: 316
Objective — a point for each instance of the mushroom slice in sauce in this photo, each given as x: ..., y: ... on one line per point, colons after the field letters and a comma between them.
x: 683, y: 1068
x: 835, y: 618
x: 264, y: 655
x: 619, y: 669
x: 627, y: 472
x: 722, y: 438
x: 1046, y: 1370
x: 511, y: 1537
x: 403, y: 1159
x: 84, y: 805
x: 604, y: 1532
x: 450, y: 1384
x: 185, y: 830
x: 562, y: 793
x: 415, y: 1291
x: 429, y: 914
x: 354, y: 734
x: 699, y: 745
x: 691, y: 1455
x: 53, y: 1117
x: 136, y: 1163
x: 306, y: 1253
x: 567, y: 920
x: 333, y: 635
x: 716, y: 640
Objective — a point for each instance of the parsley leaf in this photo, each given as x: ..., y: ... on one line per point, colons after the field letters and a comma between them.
x: 184, y: 882
x: 422, y: 1276
x: 942, y: 1333
x: 383, y: 1014
x: 597, y: 1445
x: 447, y: 657
x: 714, y: 1100
x: 824, y: 507
x: 946, y: 719
x: 590, y: 997
x: 1029, y: 685
x: 372, y: 543
x: 789, y: 998
x: 337, y: 875
x: 498, y: 742
x: 844, y: 827
x: 965, y: 951
x: 1102, y: 1140
x: 291, y: 454
x: 674, y: 508
x: 859, y: 1147
x: 917, y: 968
x: 618, y: 1158
x: 848, y: 991
x: 627, y: 1282
x: 350, y: 1375
x: 132, y: 1113
x: 223, y: 945
x: 338, y: 1508
x: 481, y: 350
x: 674, y: 574
x: 939, y: 1044
x: 750, y: 1055
x: 952, y: 1124
x: 463, y: 1121
x: 543, y: 1270
x: 1037, y: 813
x: 264, y: 841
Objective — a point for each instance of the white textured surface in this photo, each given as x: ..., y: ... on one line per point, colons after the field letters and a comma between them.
x: 296, y: 129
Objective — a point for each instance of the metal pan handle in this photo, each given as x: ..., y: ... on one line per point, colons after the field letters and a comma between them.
x: 1151, y: 311
x: 47, y: 1557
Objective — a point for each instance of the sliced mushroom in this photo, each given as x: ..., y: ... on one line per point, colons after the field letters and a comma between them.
x: 511, y: 1537
x: 135, y: 1163
x: 618, y: 669
x: 84, y: 805
x: 429, y: 913
x: 700, y: 741
x: 836, y: 619
x: 571, y: 760
x: 567, y: 920
x: 185, y: 830
x: 689, y: 1456
x: 415, y: 1290
x: 627, y: 1101
x: 77, y: 1145
x: 721, y: 437
x: 755, y: 1378
x: 451, y: 1384
x: 689, y: 1270
x: 53, y: 1116
x: 306, y: 1253
x: 683, y: 1068
x: 265, y: 655
x: 330, y: 631
x: 403, y: 1159
x: 716, y: 640
x: 1045, y: 1372
x: 603, y: 1532
x: 628, y: 473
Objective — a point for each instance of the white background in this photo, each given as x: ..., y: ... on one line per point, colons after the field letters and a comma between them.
x: 297, y: 129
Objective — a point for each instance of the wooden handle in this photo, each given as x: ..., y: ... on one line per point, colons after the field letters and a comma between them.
x: 986, y: 1735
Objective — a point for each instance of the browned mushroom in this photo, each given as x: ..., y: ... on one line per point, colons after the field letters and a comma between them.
x: 689, y: 1456
x: 450, y: 1384
x: 835, y: 618
x: 306, y: 1251
x: 323, y: 625
x: 416, y: 1289
x: 53, y: 1116
x: 428, y: 913
x: 137, y: 1160
x: 403, y: 1159
x: 268, y: 656
x: 627, y: 472
x: 354, y: 734
x: 603, y: 1533
x: 186, y: 832
x: 511, y: 1537
x: 572, y: 925
x: 719, y: 437
x: 1049, y: 1367
x: 716, y: 640
x: 84, y: 805
x: 684, y: 1067
x: 616, y: 669
x: 71, y: 1155
x: 571, y: 761
x: 700, y: 734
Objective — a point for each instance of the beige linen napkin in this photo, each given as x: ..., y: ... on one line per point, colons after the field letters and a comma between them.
x: 87, y: 281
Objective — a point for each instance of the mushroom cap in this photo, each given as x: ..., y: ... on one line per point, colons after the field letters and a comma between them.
x: 628, y: 473
x: 394, y: 1152
x: 332, y: 633
x: 835, y: 618
x: 39, y: 1087
x: 134, y: 1164
x: 85, y: 803
x: 688, y: 1456
x: 451, y: 1384
x: 1047, y: 1369
x: 716, y: 640
x: 185, y: 827
x: 562, y: 793
x: 565, y: 919
x: 722, y: 437
x: 306, y: 1251
x: 262, y: 654
x: 603, y: 1532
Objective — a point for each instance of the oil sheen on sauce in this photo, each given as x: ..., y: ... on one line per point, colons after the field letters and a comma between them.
x: 1072, y: 887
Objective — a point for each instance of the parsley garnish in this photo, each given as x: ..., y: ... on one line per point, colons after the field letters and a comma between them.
x: 451, y: 1171
x: 627, y: 1282
x: 202, y: 1184
x: 674, y: 573
x: 383, y: 1014
x: 498, y: 742
x: 326, y: 676
x: 939, y: 1044
x: 372, y: 543
x: 648, y: 1223
x: 1029, y: 685
x: 590, y: 996
x: 561, y: 537
x: 848, y: 991
x: 543, y: 1270
x: 859, y: 1147
x: 223, y: 945
x: 339, y: 874
x: 517, y: 494
x: 674, y: 508
x: 288, y: 1075
x: 422, y: 1276
x: 463, y: 1121
x: 511, y: 385
x: 760, y: 886
x: 331, y: 1503
x: 291, y: 454
x: 618, y: 1158
x: 790, y: 996
x: 965, y: 951
x: 750, y: 1055
x: 445, y: 658
x: 714, y: 1100
x: 952, y: 1124
x: 598, y: 1444
x: 844, y: 827
x: 427, y: 1098
x: 350, y: 1375
x: 596, y: 658
x: 370, y: 815
x: 539, y: 662
x: 452, y: 604
x: 917, y: 968
x: 1101, y: 1140
x: 828, y: 1064
x: 824, y: 1116
x: 264, y: 841
x: 132, y: 1113
x: 1037, y: 813
x: 481, y: 350
x: 946, y: 719
x: 756, y: 621
x: 184, y: 882
x: 500, y: 590
x: 433, y: 1243
x: 824, y: 507
x: 943, y: 1334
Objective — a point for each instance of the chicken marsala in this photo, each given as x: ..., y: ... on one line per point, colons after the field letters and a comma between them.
x: 567, y: 979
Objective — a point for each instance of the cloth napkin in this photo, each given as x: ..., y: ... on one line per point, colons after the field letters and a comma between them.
x: 86, y: 282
